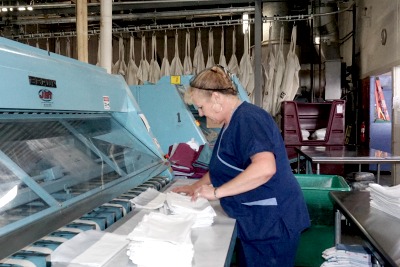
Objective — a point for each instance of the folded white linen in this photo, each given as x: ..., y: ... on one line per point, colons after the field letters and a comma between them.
x: 181, y: 204
x: 149, y: 199
x: 161, y: 227
x: 167, y: 235
x: 99, y: 248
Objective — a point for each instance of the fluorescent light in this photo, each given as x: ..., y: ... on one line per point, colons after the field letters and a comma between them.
x: 4, y: 9
x: 30, y: 8
x: 11, y: 9
x: 21, y: 8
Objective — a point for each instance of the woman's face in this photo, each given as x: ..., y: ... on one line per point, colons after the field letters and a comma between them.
x: 204, y: 105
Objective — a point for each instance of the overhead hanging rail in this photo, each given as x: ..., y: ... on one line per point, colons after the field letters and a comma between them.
x: 160, y: 27
x: 179, y: 26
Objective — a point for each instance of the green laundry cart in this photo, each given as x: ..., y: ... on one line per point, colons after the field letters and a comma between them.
x: 321, y: 234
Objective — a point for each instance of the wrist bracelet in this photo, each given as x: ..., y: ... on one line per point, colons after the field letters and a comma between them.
x: 215, y: 192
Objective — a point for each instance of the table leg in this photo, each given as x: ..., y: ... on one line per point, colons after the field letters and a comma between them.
x: 378, y: 173
x: 338, y: 227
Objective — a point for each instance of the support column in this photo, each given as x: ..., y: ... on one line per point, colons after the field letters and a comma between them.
x: 106, y: 34
x: 82, y: 30
x: 257, y: 53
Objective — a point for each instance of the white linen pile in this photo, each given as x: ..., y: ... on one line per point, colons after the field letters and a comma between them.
x: 162, y: 240
x: 201, y: 208
x: 149, y: 199
x: 386, y: 199
x: 346, y: 255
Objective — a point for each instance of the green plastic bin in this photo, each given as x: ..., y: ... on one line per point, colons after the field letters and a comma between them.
x: 321, y: 234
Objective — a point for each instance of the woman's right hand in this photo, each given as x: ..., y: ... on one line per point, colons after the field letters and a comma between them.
x: 186, y: 189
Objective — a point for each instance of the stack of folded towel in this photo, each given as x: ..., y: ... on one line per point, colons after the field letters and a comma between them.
x: 201, y: 208
x: 162, y: 240
x: 386, y: 199
x: 150, y: 199
x: 346, y: 255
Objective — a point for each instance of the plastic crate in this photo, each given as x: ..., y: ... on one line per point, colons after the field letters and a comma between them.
x: 321, y: 234
x: 311, y: 117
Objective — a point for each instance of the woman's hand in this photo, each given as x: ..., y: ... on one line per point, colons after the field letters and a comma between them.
x: 189, y: 190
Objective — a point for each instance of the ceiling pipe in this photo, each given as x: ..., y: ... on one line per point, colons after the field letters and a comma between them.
x: 153, y: 15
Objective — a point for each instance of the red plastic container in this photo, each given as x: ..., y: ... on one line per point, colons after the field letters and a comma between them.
x: 311, y: 117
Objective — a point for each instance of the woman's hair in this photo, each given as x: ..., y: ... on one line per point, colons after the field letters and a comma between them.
x: 214, y: 79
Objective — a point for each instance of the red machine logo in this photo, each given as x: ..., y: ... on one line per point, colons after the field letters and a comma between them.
x: 45, y: 95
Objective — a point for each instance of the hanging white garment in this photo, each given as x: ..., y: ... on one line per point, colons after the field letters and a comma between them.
x: 246, y: 74
x: 165, y: 67
x: 143, y: 69
x: 233, y: 65
x: 279, y: 72
x: 187, y: 62
x: 68, y: 48
x: 222, y: 59
x: 269, y: 67
x: 57, y: 47
x: 154, y: 69
x: 176, y: 64
x: 120, y: 66
x: 210, y: 59
x: 132, y: 69
x: 98, y: 51
x: 198, y: 57
x: 290, y: 82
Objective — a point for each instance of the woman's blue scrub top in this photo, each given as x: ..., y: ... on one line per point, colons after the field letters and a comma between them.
x: 250, y: 131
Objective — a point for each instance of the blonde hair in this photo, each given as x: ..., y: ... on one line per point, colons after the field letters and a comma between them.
x: 214, y: 79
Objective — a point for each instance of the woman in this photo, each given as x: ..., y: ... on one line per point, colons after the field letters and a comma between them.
x: 249, y: 173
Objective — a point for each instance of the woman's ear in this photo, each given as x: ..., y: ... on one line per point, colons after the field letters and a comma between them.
x: 216, y: 97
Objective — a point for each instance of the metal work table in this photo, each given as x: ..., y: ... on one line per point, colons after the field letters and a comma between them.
x: 379, y: 229
x: 213, y: 245
x: 345, y: 155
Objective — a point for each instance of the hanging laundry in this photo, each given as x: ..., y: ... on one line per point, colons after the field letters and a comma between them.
x: 176, y: 64
x: 154, y: 70
x: 279, y: 72
x: 120, y: 66
x: 290, y: 82
x: 187, y: 62
x: 143, y: 70
x: 210, y: 59
x: 132, y: 69
x: 198, y: 58
x: 57, y: 48
x: 222, y: 59
x: 165, y: 67
x: 68, y: 48
x: 246, y: 74
x: 233, y: 65
x: 98, y: 51
x: 269, y: 67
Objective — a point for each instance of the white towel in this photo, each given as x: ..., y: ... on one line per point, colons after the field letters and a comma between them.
x: 90, y: 248
x: 168, y: 235
x: 180, y: 204
x: 149, y: 199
